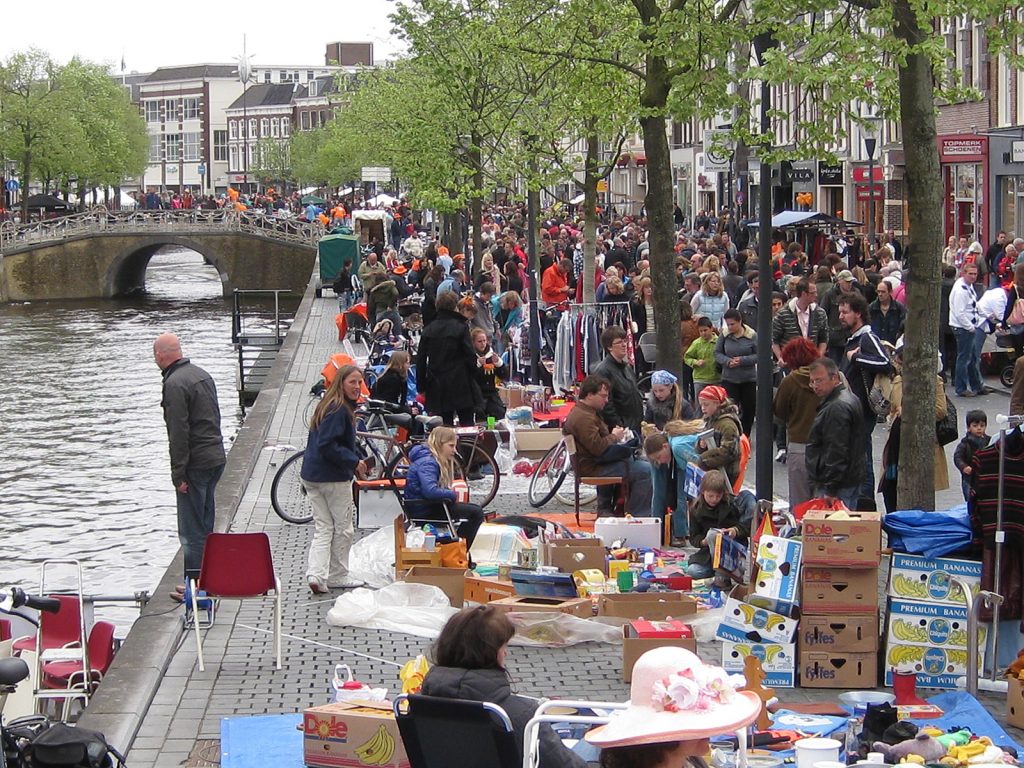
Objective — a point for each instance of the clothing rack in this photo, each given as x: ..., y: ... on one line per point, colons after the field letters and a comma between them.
x: 1004, y: 422
x: 572, y: 361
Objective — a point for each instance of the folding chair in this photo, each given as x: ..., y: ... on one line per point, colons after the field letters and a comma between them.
x: 70, y: 675
x: 597, y: 481
x: 62, y: 629
x: 237, y: 566
x: 431, y: 726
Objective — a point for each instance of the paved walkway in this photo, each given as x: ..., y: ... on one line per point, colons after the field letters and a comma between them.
x: 181, y: 725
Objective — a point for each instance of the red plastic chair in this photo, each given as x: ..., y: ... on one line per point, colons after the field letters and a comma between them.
x: 69, y: 675
x: 237, y: 566
x: 62, y: 629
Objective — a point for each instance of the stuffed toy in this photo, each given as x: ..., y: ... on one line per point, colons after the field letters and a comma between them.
x: 922, y: 746
x: 1015, y: 669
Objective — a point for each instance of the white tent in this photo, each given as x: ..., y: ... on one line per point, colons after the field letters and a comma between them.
x: 97, y: 198
x: 578, y: 199
x: 382, y: 199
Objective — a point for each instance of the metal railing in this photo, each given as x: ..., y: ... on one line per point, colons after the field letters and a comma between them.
x: 99, y: 221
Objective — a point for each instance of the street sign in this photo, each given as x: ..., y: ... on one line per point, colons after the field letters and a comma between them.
x: 376, y: 173
x: 201, y: 170
x: 602, y: 185
x: 12, y: 185
x: 717, y: 150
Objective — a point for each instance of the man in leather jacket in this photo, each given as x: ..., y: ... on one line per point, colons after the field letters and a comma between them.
x: 835, y: 447
x: 626, y: 405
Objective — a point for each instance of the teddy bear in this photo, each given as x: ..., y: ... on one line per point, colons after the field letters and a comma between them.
x: 1015, y: 669
x: 922, y: 745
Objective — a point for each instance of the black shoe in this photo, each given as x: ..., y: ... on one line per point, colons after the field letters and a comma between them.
x: 474, y: 474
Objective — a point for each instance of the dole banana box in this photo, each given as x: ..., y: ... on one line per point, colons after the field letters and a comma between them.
x: 912, y: 577
x: 842, y: 539
x: 746, y: 623
x: 778, y: 661
x: 344, y: 735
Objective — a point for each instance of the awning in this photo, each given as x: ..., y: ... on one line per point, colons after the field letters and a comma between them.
x: 345, y: 191
x: 578, y: 199
x: 788, y: 219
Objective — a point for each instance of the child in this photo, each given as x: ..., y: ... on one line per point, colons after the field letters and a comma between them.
x: 669, y: 452
x: 700, y: 356
x: 713, y: 508
x: 973, y: 441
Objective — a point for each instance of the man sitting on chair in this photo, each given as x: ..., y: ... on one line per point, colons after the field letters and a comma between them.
x: 600, y: 452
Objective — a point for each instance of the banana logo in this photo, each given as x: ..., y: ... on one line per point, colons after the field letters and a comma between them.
x: 766, y: 653
x: 904, y: 586
x: 378, y: 749
x: 759, y: 618
x: 907, y: 632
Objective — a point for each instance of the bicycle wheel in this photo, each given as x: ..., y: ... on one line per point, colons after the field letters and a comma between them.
x: 307, y: 412
x: 287, y: 495
x: 548, y: 476
x: 484, y: 488
x: 588, y: 493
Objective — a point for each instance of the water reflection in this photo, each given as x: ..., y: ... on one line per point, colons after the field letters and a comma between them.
x: 84, y: 470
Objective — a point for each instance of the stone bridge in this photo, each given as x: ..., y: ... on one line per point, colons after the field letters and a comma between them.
x: 99, y: 254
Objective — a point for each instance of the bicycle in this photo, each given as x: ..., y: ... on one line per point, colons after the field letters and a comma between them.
x: 549, y: 475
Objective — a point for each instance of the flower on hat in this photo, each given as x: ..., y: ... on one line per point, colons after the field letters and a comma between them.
x: 692, y: 689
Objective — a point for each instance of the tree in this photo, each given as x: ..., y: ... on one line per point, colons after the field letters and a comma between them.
x: 272, y: 161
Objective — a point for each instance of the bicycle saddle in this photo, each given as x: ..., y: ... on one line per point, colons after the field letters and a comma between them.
x: 13, y: 671
x: 430, y: 422
x: 380, y: 405
x: 404, y: 420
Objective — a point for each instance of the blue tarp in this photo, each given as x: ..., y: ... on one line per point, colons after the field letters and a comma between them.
x: 961, y: 710
x: 932, y: 534
x: 252, y: 742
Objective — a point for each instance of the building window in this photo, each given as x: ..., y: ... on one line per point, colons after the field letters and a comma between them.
x: 286, y: 77
x: 220, y: 146
x: 233, y: 128
x: 264, y: 126
x: 266, y: 76
x: 251, y: 152
x: 312, y: 87
x: 192, y: 146
x: 275, y: 128
x: 233, y: 159
x: 286, y: 127
x: 173, y: 147
x: 304, y: 121
x: 154, y: 147
x: 310, y: 74
x: 152, y: 111
x: 190, y: 108
x: 252, y: 127
x: 170, y: 110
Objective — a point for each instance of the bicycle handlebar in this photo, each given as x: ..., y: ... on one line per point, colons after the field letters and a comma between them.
x: 17, y: 598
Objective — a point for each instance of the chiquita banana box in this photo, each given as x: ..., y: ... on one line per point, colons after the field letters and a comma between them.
x: 343, y: 735
x: 931, y: 640
x: 778, y: 660
x: 932, y: 580
x: 743, y: 623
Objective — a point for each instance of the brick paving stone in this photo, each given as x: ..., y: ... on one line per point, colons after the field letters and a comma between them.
x: 240, y: 678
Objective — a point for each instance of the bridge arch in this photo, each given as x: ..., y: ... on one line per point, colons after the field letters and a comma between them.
x: 126, y: 271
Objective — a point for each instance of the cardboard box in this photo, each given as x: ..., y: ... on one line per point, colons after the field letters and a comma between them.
x: 343, y: 734
x: 534, y: 443
x: 569, y: 555
x: 451, y: 581
x: 839, y: 590
x: 853, y: 634
x: 778, y: 660
x: 633, y: 532
x: 1015, y: 703
x: 376, y: 504
x: 930, y: 624
x: 480, y: 589
x: 935, y: 667
x: 656, y: 606
x: 634, y: 647
x: 513, y: 397
x: 912, y: 577
x: 745, y: 623
x: 575, y: 606
x: 778, y: 568
x: 824, y: 669
x: 664, y: 628
x: 855, y: 542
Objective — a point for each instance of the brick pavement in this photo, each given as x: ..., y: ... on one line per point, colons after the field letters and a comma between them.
x: 240, y: 678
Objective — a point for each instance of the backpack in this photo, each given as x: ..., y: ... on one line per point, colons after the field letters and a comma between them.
x: 65, y: 746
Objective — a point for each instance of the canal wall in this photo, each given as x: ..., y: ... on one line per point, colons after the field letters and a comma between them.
x: 131, y: 683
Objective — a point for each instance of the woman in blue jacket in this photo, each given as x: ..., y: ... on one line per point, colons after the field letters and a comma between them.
x: 428, y: 486
x: 328, y: 466
x: 669, y: 452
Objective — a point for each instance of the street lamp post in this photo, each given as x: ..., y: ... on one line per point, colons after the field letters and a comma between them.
x: 870, y: 145
x: 763, y: 455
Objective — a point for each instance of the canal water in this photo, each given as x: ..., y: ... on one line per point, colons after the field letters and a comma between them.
x: 84, y: 470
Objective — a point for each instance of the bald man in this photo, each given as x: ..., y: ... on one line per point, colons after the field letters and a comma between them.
x: 192, y: 416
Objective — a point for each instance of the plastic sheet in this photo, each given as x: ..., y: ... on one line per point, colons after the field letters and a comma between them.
x: 372, y: 558
x: 705, y: 624
x: 932, y: 534
x: 412, y: 609
x: 552, y: 630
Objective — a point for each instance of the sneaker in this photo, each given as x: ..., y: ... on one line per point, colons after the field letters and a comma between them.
x: 349, y: 582
x: 317, y: 588
x: 474, y: 474
x: 780, y: 456
x: 678, y: 541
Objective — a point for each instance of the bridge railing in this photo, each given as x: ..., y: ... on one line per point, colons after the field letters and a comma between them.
x: 99, y: 220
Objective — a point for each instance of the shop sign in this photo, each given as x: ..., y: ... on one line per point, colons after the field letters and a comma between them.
x: 1017, y: 152
x: 829, y: 175
x: 717, y: 150
x: 963, y: 147
x: 864, y: 192
x: 860, y: 173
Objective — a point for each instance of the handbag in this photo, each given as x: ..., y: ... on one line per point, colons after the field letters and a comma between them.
x: 1017, y: 313
x: 946, y: 427
x: 454, y: 555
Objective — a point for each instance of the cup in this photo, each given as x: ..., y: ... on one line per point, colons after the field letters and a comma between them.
x: 625, y: 580
x: 490, y: 422
x: 810, y: 752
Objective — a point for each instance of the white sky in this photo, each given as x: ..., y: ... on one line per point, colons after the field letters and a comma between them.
x: 151, y: 35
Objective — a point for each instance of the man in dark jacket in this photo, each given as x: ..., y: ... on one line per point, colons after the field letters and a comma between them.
x: 192, y: 416
x: 446, y: 365
x: 886, y: 315
x: 626, y: 405
x: 835, y: 446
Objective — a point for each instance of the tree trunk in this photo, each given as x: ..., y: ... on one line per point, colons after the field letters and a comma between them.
x: 916, y: 485
x: 26, y: 166
x: 590, y: 218
x: 477, y: 203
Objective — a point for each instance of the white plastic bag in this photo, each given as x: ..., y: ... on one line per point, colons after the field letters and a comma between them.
x: 705, y: 624
x: 372, y: 558
x: 549, y: 630
x: 415, y: 609
x: 347, y: 689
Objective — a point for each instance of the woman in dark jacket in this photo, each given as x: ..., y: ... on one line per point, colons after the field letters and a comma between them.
x: 430, y: 283
x: 393, y: 384
x: 330, y: 462
x: 446, y: 365
x: 469, y: 658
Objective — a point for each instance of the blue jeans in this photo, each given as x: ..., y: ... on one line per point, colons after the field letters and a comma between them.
x: 699, y: 571
x: 968, y: 360
x: 196, y: 515
x: 661, y: 485
x: 847, y: 495
x: 639, y: 473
